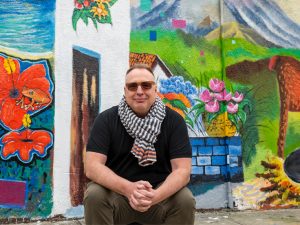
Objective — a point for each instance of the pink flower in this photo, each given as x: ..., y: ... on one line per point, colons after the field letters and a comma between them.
x: 212, y: 106
x: 223, y: 96
x: 216, y: 85
x: 238, y: 97
x: 205, y: 96
x: 232, y: 108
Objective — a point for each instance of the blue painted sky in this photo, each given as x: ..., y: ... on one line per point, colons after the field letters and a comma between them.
x: 27, y: 25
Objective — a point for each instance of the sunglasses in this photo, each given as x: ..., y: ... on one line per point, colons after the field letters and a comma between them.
x: 146, y: 85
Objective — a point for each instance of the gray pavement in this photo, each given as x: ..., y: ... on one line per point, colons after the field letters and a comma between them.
x: 227, y: 217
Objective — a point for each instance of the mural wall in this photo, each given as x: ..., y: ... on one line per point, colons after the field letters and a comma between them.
x: 26, y: 108
x: 230, y: 68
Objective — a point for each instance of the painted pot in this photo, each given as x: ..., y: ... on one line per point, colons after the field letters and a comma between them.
x: 221, y: 126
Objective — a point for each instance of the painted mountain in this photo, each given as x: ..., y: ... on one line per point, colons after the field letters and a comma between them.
x: 236, y: 30
x: 204, y: 27
x: 268, y: 20
x: 156, y: 16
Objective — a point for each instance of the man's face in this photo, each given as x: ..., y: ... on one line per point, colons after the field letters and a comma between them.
x: 140, y: 91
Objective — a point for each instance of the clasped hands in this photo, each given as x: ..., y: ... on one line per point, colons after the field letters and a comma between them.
x: 142, y: 196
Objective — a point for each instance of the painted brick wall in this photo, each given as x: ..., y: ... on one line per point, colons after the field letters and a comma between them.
x: 216, y: 159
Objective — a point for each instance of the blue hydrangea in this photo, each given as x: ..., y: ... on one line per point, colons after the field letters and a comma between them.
x: 176, y: 84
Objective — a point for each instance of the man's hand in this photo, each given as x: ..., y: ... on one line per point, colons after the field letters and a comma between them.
x: 141, y: 198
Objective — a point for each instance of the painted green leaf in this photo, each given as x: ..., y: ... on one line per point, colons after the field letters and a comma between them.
x: 242, y: 115
x: 90, y: 15
x: 197, y: 107
x: 189, y: 121
x: 84, y: 16
x: 75, y: 17
x: 112, y: 2
x: 233, y: 119
x: 198, y: 113
x: 212, y: 116
x: 178, y: 104
x: 244, y: 103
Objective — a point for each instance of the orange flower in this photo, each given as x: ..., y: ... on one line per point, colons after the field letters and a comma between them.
x: 25, y: 144
x: 180, y: 96
x: 99, y: 11
x: 13, y: 99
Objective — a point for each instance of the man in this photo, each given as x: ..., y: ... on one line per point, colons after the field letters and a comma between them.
x: 139, y: 160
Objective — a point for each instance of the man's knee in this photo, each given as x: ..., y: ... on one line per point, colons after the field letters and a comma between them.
x: 184, y: 200
x: 95, y: 194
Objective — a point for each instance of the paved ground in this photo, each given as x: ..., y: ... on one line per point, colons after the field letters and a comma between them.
x: 227, y: 217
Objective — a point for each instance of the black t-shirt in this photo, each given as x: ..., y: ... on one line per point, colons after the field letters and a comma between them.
x: 109, y: 137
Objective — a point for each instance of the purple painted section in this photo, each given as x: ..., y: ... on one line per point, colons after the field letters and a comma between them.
x: 178, y: 23
x: 13, y: 193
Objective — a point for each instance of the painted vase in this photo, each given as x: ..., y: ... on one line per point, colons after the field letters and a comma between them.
x: 221, y: 126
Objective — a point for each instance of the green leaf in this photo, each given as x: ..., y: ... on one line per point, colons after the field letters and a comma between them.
x: 84, y: 17
x: 178, y: 104
x: 212, y: 116
x: 198, y: 113
x: 75, y: 17
x: 223, y: 107
x: 244, y: 103
x: 165, y: 100
x: 242, y: 115
x: 112, y: 2
x: 233, y: 119
x: 189, y: 121
x: 90, y: 15
x: 198, y: 107
x: 198, y: 100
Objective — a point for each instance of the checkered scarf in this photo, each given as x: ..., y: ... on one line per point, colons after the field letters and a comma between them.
x: 143, y: 130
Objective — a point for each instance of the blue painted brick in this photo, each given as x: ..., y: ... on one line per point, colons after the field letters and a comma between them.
x: 212, y: 141
x: 212, y: 170
x: 205, y: 150
x: 203, y: 160
x: 235, y: 150
x: 219, y: 150
x: 224, y: 171
x: 194, y: 150
x: 197, y: 170
x: 235, y: 171
x: 236, y: 140
x: 233, y: 161
x: 218, y: 160
x: 222, y: 141
x: 194, y: 161
x: 197, y: 141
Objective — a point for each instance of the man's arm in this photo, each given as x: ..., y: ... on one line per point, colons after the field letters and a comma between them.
x: 177, y: 179
x: 97, y: 171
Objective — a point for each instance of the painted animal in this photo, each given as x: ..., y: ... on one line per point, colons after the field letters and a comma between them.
x: 288, y: 77
x: 37, y: 97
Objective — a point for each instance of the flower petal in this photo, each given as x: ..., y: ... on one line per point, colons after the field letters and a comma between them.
x: 33, y: 72
x: 11, y: 114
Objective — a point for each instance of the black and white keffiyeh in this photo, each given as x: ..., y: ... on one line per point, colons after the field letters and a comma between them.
x: 143, y: 130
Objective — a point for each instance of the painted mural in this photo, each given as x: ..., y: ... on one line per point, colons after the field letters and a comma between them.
x: 235, y: 84
x: 230, y: 68
x: 26, y: 108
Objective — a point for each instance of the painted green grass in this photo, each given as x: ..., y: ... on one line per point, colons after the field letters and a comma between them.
x: 181, y: 55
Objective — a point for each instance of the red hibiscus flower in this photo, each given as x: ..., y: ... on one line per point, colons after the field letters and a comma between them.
x: 21, y: 92
x: 25, y: 144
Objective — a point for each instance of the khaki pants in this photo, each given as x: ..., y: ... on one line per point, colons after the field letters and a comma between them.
x: 102, y: 206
